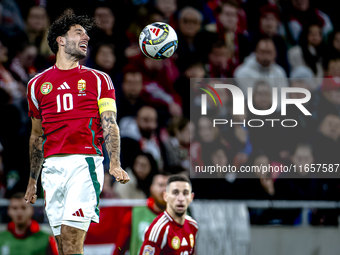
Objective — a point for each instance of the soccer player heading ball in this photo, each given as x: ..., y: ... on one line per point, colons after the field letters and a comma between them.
x: 173, y: 232
x: 73, y: 111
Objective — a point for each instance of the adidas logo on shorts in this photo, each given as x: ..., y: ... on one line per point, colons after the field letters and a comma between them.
x: 79, y: 213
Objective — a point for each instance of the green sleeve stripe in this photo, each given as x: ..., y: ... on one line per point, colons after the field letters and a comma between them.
x: 42, y: 147
x: 93, y: 136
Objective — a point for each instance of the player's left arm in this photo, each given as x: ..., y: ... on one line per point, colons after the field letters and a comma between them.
x: 107, y: 110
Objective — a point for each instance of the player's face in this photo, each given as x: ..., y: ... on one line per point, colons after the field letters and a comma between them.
x: 76, y: 42
x: 178, y: 197
x: 20, y: 212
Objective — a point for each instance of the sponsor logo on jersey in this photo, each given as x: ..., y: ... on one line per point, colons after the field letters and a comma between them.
x: 184, y: 242
x: 46, y: 88
x: 192, y: 241
x: 64, y: 86
x: 81, y: 85
x: 148, y: 250
x: 175, y: 242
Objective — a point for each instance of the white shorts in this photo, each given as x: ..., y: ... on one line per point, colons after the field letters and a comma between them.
x: 72, y: 184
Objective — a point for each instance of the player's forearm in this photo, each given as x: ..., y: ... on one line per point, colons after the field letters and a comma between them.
x: 36, y: 155
x: 111, y: 136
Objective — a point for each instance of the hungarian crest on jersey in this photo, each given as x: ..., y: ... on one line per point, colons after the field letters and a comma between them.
x: 81, y: 85
x: 192, y: 241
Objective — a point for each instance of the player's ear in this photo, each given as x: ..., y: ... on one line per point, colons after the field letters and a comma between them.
x: 61, y: 40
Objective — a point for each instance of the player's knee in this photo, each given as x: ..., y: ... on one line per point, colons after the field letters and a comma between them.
x: 72, y: 239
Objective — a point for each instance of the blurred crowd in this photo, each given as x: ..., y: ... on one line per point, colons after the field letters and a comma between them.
x: 277, y: 43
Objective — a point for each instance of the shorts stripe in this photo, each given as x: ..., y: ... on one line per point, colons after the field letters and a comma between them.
x: 93, y: 174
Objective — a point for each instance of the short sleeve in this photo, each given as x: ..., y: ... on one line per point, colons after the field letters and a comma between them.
x: 33, y: 104
x: 150, y: 245
x: 107, y: 88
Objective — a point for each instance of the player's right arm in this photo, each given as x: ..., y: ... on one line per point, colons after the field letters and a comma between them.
x: 112, y: 142
x: 108, y: 112
x: 36, y: 140
x: 36, y: 159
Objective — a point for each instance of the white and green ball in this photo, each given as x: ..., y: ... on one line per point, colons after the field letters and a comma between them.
x: 158, y: 41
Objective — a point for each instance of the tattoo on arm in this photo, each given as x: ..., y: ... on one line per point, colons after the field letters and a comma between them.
x: 36, y: 155
x: 111, y: 135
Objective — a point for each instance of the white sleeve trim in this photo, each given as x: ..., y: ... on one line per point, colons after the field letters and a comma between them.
x: 34, y: 99
x: 99, y: 85
x: 165, y: 237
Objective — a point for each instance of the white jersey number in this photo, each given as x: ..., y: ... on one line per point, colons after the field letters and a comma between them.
x: 67, y: 102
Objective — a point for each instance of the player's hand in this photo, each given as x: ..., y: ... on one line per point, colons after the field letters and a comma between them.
x: 119, y: 173
x: 30, y: 196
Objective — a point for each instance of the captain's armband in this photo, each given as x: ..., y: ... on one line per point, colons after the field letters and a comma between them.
x: 107, y: 104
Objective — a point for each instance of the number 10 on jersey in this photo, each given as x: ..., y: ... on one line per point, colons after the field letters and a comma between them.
x: 67, y: 102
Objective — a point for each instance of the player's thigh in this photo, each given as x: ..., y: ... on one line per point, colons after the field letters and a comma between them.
x: 83, y: 189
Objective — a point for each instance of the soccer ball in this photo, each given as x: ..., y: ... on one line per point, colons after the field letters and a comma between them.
x: 158, y: 41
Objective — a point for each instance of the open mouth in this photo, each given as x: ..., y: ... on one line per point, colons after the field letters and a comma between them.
x: 181, y: 207
x: 83, y: 47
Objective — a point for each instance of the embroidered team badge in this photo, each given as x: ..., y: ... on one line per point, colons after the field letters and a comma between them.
x: 175, y: 242
x: 81, y: 85
x: 192, y: 240
x: 46, y: 88
x: 148, y: 250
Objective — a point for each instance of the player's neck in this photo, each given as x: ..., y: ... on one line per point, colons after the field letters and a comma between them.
x: 65, y: 62
x: 179, y: 219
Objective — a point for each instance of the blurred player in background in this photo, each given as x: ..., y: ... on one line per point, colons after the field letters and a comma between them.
x: 135, y: 222
x: 23, y: 235
x: 173, y: 232
x: 73, y: 110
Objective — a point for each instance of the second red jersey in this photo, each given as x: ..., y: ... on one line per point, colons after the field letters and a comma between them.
x: 167, y: 237
x: 67, y: 103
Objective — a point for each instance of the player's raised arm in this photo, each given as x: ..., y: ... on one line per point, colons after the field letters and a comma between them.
x: 107, y: 110
x: 36, y: 159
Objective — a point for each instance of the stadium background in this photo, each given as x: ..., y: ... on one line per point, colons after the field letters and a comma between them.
x: 216, y: 40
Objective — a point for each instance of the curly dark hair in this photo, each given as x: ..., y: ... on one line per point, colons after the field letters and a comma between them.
x: 63, y: 24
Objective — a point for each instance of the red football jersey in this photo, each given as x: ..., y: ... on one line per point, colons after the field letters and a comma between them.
x: 67, y: 103
x: 167, y: 237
